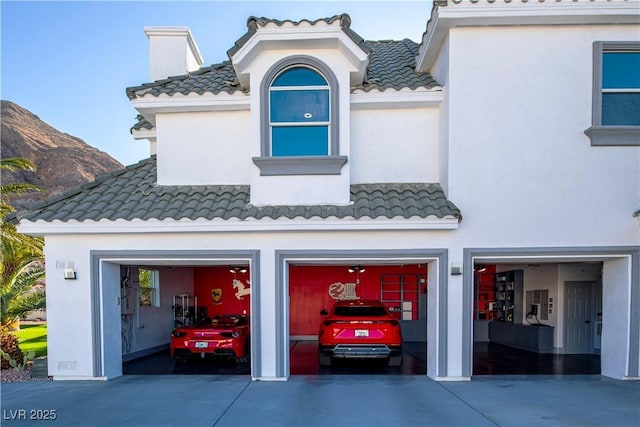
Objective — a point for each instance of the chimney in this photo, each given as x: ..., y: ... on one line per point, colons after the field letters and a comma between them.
x: 172, y: 52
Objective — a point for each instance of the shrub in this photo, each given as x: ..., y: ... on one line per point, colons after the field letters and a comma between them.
x: 9, y: 346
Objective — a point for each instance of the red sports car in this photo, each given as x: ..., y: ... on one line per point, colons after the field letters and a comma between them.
x: 359, y: 329
x: 224, y: 335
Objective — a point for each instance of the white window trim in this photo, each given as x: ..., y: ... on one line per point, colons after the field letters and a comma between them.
x: 608, y: 135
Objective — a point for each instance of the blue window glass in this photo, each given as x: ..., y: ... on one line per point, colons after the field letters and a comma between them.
x: 299, y: 113
x: 621, y: 88
x: 299, y: 76
x: 300, y: 106
x: 621, y: 70
x: 621, y: 109
x: 299, y: 141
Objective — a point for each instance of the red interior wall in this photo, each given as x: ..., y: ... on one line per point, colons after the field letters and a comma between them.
x: 208, y: 278
x: 486, y: 292
x: 309, y: 285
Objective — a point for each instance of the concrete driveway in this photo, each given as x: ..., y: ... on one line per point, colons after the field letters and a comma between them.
x: 330, y: 400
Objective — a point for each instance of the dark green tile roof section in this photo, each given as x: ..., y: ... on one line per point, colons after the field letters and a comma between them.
x: 253, y: 23
x: 132, y: 193
x: 392, y: 65
x: 213, y: 79
x: 141, y: 123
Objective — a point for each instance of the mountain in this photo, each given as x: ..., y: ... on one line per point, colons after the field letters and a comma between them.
x: 63, y: 162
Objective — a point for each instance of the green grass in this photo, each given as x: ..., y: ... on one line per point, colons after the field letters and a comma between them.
x: 33, y: 338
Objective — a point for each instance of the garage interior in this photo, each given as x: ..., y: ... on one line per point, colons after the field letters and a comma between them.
x: 537, y: 318
x: 312, y: 288
x: 158, y: 298
x: 539, y: 305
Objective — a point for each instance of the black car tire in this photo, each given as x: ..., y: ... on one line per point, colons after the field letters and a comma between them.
x: 395, y: 360
x: 247, y: 355
x: 323, y: 360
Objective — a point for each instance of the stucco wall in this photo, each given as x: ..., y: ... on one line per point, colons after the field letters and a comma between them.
x: 520, y: 167
x: 199, y: 148
x: 394, y: 145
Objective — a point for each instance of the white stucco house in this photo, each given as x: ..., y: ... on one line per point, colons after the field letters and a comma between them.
x: 508, y: 136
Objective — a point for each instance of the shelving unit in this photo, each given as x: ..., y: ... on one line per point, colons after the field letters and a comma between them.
x: 509, y: 286
x: 401, y: 293
x: 186, y: 311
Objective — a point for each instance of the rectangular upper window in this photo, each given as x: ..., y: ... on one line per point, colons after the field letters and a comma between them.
x: 621, y: 88
x: 616, y: 94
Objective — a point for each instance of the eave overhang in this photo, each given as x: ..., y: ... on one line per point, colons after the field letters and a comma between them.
x: 136, y: 226
x: 465, y: 13
x: 408, y: 98
x: 148, y: 107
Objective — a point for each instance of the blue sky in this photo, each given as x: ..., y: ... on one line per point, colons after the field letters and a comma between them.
x: 70, y: 62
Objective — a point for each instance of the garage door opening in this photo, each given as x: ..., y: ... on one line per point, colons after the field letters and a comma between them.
x: 185, y: 320
x: 537, y: 318
x: 400, y: 288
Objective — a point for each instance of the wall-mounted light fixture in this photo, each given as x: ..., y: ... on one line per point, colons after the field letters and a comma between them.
x: 69, y: 274
x: 456, y: 268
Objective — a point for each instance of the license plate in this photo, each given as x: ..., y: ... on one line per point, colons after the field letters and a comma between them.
x: 362, y: 332
x: 202, y: 344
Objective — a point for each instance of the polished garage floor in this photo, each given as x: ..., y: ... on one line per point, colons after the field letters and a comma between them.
x: 488, y: 359
x: 496, y: 359
x: 303, y: 361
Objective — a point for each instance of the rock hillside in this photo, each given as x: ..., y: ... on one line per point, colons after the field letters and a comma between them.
x: 63, y: 162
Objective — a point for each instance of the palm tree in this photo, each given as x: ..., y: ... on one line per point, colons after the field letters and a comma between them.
x: 21, y: 291
x: 21, y: 267
x: 7, y: 190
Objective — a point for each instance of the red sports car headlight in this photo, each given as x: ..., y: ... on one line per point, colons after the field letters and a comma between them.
x: 178, y: 334
x: 235, y: 333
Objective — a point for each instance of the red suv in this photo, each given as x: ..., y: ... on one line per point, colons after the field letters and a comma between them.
x: 360, y: 329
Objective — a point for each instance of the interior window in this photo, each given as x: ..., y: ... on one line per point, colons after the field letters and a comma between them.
x: 149, y: 288
x: 299, y: 107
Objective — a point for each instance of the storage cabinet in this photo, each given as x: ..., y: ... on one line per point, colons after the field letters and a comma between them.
x: 509, y: 288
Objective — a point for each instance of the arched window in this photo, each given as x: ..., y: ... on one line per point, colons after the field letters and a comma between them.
x: 299, y: 119
x: 299, y: 113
